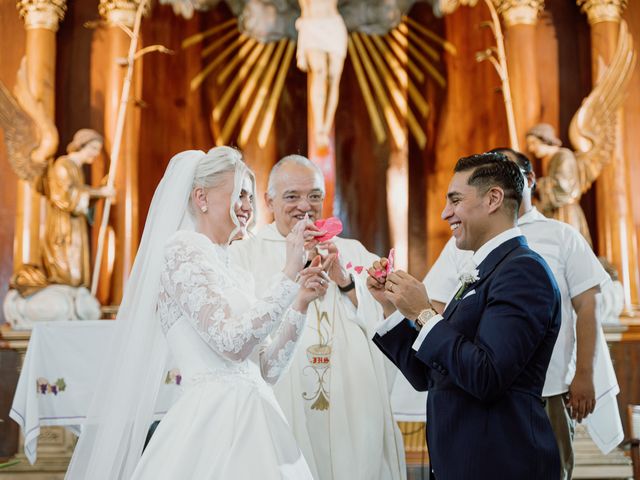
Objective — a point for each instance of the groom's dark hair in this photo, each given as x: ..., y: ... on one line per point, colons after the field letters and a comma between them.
x: 494, y: 169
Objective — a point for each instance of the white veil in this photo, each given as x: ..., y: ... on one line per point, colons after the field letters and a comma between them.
x: 121, y: 410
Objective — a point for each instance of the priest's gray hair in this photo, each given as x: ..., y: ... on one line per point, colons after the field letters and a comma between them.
x: 210, y: 174
x: 298, y: 160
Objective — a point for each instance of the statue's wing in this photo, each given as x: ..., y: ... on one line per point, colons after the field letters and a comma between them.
x: 593, y: 128
x: 20, y: 136
x: 30, y: 135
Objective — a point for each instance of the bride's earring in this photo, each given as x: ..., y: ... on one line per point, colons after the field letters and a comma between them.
x: 203, y: 209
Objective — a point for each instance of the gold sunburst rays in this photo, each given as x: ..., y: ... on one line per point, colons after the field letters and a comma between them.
x: 392, y: 67
x: 254, y: 75
x: 389, y: 70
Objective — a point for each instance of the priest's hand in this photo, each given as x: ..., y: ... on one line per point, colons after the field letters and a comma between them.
x: 581, y: 398
x: 407, y: 294
x: 311, y: 232
x: 331, y: 264
x: 313, y: 282
x: 295, y: 252
x: 376, y: 282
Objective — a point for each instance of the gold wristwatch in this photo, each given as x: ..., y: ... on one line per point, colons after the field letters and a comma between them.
x: 425, y: 315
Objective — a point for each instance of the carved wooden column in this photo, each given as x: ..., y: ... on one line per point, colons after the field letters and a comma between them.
x: 122, y: 238
x: 520, y: 18
x: 616, y: 232
x: 41, y: 20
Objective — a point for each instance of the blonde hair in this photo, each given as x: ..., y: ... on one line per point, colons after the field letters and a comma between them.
x: 209, y: 174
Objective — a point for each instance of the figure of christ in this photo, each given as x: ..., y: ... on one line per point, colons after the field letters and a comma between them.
x: 322, y: 48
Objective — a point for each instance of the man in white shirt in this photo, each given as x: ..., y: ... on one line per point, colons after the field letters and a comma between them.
x: 483, y: 360
x: 335, y: 394
x: 569, y: 384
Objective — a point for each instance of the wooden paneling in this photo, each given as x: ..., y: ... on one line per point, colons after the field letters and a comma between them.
x: 473, y: 117
x: 73, y: 92
x: 9, y: 363
x: 361, y: 164
x: 173, y: 118
x: 422, y: 162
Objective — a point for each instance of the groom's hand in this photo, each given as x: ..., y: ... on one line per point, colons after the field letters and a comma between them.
x: 375, y: 283
x: 407, y: 294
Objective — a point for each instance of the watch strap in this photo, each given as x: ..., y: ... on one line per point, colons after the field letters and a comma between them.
x: 350, y: 286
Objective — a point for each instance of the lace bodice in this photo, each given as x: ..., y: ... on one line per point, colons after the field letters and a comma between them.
x: 199, y: 283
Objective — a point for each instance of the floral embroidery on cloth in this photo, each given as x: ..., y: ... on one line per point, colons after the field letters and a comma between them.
x: 44, y: 387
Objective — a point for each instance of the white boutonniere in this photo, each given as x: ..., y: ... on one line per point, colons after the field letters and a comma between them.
x: 466, y: 278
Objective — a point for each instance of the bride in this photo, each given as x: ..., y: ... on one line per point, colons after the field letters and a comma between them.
x: 185, y: 296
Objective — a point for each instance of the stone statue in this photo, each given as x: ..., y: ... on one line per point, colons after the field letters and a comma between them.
x: 66, y: 239
x: 559, y: 190
x: 570, y: 173
x: 54, y: 288
x: 30, y: 136
x: 322, y: 48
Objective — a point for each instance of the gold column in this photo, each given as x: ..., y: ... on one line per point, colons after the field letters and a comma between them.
x: 121, y: 242
x: 41, y: 19
x: 520, y: 18
x: 616, y: 232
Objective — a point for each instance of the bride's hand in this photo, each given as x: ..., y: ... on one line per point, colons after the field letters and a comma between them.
x: 302, y: 232
x: 313, y: 282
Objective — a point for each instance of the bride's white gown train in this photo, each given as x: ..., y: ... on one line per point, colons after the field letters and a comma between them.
x: 227, y: 423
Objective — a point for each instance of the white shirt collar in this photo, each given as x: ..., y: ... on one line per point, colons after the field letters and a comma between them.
x: 531, y: 216
x: 484, y: 251
x: 270, y: 232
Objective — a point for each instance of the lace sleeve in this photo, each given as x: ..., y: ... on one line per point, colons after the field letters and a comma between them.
x: 275, y: 358
x: 191, y: 283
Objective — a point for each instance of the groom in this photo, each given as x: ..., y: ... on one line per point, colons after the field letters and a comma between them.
x: 484, y: 360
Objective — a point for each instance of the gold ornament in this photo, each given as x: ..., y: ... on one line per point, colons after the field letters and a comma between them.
x: 519, y: 12
x: 42, y: 13
x: 603, y: 10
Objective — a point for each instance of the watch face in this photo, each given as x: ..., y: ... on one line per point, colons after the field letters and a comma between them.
x: 426, y: 315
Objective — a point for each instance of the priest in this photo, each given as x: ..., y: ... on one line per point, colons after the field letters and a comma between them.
x: 336, y: 392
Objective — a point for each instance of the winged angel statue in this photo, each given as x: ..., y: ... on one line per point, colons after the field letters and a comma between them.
x: 30, y: 135
x: 321, y: 29
x: 31, y: 139
x: 592, y: 133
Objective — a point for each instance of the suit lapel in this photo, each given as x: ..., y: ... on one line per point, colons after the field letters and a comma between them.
x: 486, y: 268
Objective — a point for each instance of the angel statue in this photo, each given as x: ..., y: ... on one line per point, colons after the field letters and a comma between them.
x: 66, y: 238
x: 570, y: 173
x: 29, y: 133
x: 57, y: 289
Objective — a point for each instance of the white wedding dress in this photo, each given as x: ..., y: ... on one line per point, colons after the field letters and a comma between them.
x: 227, y: 423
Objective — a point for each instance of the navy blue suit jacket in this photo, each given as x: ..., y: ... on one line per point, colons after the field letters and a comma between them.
x: 484, y: 366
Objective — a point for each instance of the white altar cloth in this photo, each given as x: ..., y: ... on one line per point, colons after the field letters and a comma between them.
x: 59, y: 374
